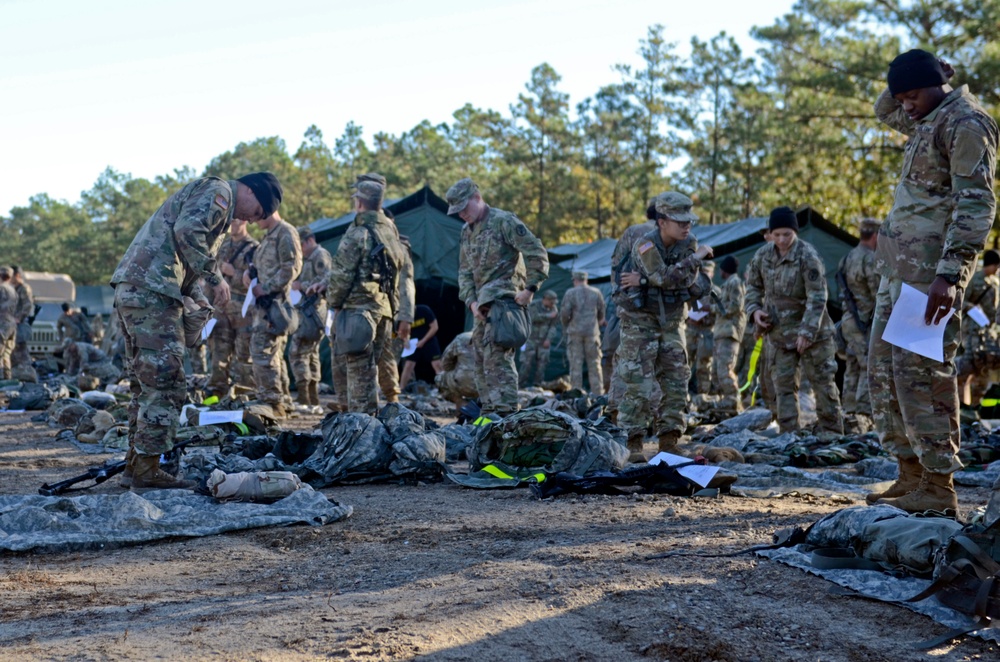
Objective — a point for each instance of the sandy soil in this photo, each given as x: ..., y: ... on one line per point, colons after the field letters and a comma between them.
x: 445, y: 573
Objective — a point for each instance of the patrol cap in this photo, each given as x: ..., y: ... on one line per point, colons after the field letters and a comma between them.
x: 869, y: 224
x: 5, y: 272
x: 370, y: 177
x: 371, y: 192
x: 579, y: 275
x: 305, y: 234
x: 549, y: 294
x: 459, y: 194
x: 675, y: 206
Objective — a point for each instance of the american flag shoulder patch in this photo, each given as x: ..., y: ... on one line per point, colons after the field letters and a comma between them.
x: 222, y: 202
x: 645, y: 247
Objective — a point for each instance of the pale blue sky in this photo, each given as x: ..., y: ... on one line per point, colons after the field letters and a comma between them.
x: 146, y: 87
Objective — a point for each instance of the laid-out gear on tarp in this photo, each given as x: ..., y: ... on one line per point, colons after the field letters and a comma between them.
x: 257, y: 487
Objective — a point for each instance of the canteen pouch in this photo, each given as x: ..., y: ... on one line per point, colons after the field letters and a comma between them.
x: 282, y: 317
x: 311, y: 327
x: 509, y: 323
x: 355, y: 331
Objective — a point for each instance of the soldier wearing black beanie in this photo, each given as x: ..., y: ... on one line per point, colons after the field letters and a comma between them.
x: 266, y: 188
x: 783, y: 217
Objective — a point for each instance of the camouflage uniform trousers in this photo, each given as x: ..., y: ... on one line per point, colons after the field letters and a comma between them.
x: 388, y: 369
x: 6, y: 350
x: 699, y: 343
x: 768, y: 393
x: 914, y: 398
x: 856, y: 399
x: 651, y: 356
x: 534, y: 361
x: 496, y: 374
x: 819, y: 365
x: 20, y: 358
x: 153, y: 330
x: 304, y: 357
x: 230, y: 342
x: 726, y: 352
x: 199, y: 359
x: 362, y: 369
x: 267, y: 351
x: 582, y: 349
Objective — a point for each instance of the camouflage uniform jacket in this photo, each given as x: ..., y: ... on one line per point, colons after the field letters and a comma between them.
x: 315, y: 268
x: 459, y: 357
x: 583, y: 311
x: 983, y: 291
x: 731, y: 318
x: 944, y: 204
x: 498, y: 257
x: 407, y: 290
x: 278, y: 259
x: 8, y: 302
x: 351, y: 284
x: 670, y: 272
x: 862, y: 278
x: 623, y: 249
x: 73, y: 326
x: 178, y: 244
x: 791, y: 290
x: 86, y: 354
x: 544, y: 322
x: 25, y: 307
x: 237, y: 253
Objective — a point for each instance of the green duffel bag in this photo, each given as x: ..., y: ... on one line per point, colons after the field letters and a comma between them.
x: 509, y: 323
x: 355, y: 331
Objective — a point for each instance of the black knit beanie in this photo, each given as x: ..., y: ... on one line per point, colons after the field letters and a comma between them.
x: 991, y: 257
x: 266, y: 188
x: 914, y: 70
x: 783, y: 217
x: 729, y: 264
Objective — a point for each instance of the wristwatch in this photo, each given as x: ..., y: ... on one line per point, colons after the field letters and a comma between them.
x: 532, y: 288
x: 951, y: 279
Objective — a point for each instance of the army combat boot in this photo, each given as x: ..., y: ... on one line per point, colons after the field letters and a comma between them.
x: 910, y: 471
x: 934, y: 492
x: 126, y: 479
x: 314, y: 393
x: 634, y: 445
x: 666, y: 442
x: 147, y: 475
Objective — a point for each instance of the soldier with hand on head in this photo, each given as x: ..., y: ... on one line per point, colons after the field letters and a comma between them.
x: 582, y: 318
x: 943, y: 210
x: 499, y: 259
x: 161, y: 267
x: 543, y: 316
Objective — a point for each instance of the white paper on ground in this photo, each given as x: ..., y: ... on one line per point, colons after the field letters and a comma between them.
x: 294, y: 297
x: 697, y: 315
x: 207, y: 330
x: 219, y: 417
x: 249, y: 300
x: 410, y: 347
x: 906, y: 328
x: 978, y: 315
x: 700, y: 473
x: 329, y: 323
x: 188, y: 411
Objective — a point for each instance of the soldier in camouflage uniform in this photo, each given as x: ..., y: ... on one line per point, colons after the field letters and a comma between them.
x: 388, y: 364
x: 365, y: 296
x: 652, y: 349
x: 582, y: 318
x: 857, y: 301
x: 943, y: 209
x: 277, y: 262
x: 8, y: 323
x: 698, y: 337
x: 457, y: 381
x: 73, y: 324
x: 22, y: 367
x: 543, y: 316
x: 84, y: 359
x: 304, y: 354
x: 175, y: 248
x: 727, y: 334
x: 786, y: 298
x: 982, y: 292
x: 498, y: 258
x: 230, y: 339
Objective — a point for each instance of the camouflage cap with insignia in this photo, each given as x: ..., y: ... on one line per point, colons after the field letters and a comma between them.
x: 370, y: 177
x: 370, y: 192
x: 675, y: 206
x: 458, y: 196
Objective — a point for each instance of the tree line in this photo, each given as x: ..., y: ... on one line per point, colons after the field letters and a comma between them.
x: 741, y: 133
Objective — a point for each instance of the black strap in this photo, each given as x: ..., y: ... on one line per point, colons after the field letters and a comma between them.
x: 840, y: 558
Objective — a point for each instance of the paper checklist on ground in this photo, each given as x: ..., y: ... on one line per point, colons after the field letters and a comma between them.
x: 906, y: 328
x: 702, y: 474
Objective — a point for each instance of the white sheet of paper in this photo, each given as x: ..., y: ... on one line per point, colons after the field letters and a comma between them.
x: 207, y: 331
x: 524, y: 347
x: 697, y: 315
x: 410, y: 347
x: 906, y: 328
x: 249, y: 301
x: 699, y: 473
x: 294, y: 297
x: 188, y: 412
x: 217, y: 417
x: 329, y: 323
x: 978, y: 315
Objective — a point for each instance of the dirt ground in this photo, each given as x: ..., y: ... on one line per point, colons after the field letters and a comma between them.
x: 445, y: 573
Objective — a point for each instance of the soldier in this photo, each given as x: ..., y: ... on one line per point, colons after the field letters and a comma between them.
x: 786, y: 298
x: 653, y: 345
x: 21, y: 365
x: 498, y: 258
x: 8, y: 323
x: 175, y: 247
x: 727, y: 334
x: 859, y: 281
x: 543, y: 316
x: 388, y: 364
x: 304, y: 354
x: 230, y: 339
x: 428, y: 350
x: 943, y: 210
x: 363, y: 290
x: 582, y: 319
x: 457, y: 379
x: 277, y: 262
x: 84, y: 359
x: 73, y: 325
x: 698, y: 334
x: 982, y: 293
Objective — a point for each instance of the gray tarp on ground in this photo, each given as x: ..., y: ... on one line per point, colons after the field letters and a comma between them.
x: 104, y: 520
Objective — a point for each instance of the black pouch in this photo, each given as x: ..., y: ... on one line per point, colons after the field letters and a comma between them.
x: 311, y: 327
x: 509, y: 323
x: 282, y: 317
x: 355, y: 331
